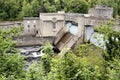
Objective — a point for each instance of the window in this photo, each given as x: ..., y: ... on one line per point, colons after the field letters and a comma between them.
x: 28, y: 26
x: 34, y: 28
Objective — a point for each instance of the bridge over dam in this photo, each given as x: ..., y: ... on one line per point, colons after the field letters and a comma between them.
x: 61, y: 29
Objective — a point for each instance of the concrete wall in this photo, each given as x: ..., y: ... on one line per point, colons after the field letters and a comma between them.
x: 31, y: 25
x: 49, y: 24
x: 32, y: 40
x: 7, y: 25
x: 101, y: 12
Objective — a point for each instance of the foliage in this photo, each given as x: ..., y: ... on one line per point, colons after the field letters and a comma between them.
x: 46, y: 58
x: 39, y: 70
x: 26, y: 9
x: 50, y: 7
x: 105, y: 28
x: 112, y: 53
x: 113, y: 40
x: 17, y: 9
x: 35, y: 72
x: 91, y: 54
x: 6, y: 39
x: 113, y: 70
x: 70, y: 67
x: 76, y: 6
x: 9, y: 9
x: 113, y: 46
x: 48, y: 49
x: 11, y: 63
x: 94, y: 2
x: 64, y: 67
x: 35, y: 8
x: 30, y: 9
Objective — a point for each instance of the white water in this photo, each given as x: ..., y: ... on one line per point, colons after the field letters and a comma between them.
x: 72, y: 28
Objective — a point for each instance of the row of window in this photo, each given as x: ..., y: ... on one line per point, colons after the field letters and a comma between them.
x: 33, y: 25
x: 34, y: 28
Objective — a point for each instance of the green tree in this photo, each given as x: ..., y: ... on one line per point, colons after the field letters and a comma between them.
x: 68, y: 66
x: 3, y: 14
x: 11, y: 63
x: 47, y: 57
x: 113, y: 40
x: 91, y: 54
x: 35, y: 72
x: 50, y: 7
x: 40, y: 69
x: 9, y: 9
x: 94, y: 2
x: 26, y: 9
x: 76, y: 6
x: 35, y: 8
x: 112, y: 52
x: 113, y: 70
x: 30, y: 9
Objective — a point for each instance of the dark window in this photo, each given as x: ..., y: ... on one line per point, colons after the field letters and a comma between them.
x: 34, y: 28
x: 28, y: 26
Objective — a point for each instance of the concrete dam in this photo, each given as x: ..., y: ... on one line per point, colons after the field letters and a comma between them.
x: 60, y: 29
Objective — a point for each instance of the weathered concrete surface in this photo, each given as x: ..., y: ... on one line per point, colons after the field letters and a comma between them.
x: 8, y: 24
x: 33, y: 41
x: 101, y: 11
x: 67, y: 41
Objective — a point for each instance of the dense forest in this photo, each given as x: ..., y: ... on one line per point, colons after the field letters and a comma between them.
x: 17, y: 9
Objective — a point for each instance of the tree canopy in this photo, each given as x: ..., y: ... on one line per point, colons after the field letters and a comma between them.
x: 17, y: 9
x: 11, y: 62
